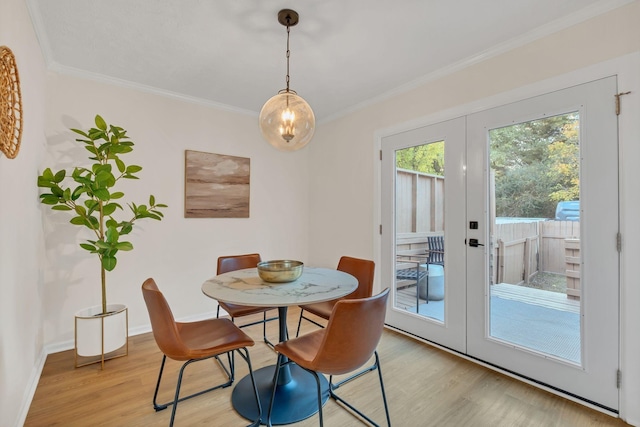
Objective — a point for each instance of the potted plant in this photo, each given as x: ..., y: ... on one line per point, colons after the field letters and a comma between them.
x: 89, y: 194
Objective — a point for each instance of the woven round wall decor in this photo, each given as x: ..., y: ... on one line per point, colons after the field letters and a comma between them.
x: 10, y: 104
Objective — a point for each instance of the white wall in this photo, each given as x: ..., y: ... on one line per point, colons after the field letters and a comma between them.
x: 179, y: 253
x: 345, y: 171
x: 21, y: 289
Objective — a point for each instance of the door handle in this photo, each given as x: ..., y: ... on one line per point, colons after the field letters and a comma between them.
x: 474, y: 243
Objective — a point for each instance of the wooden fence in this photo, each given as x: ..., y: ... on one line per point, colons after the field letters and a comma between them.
x: 519, y: 250
x: 522, y: 249
x: 420, y: 201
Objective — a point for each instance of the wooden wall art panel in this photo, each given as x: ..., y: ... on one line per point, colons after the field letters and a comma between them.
x: 216, y: 185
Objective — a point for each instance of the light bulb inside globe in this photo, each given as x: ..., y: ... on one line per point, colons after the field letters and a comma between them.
x: 287, y: 128
x: 287, y: 121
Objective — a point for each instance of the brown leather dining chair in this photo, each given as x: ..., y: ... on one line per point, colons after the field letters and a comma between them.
x: 362, y: 270
x: 349, y: 340
x: 240, y: 262
x: 192, y: 342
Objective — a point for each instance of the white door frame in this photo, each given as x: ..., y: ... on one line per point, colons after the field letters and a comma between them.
x: 627, y: 68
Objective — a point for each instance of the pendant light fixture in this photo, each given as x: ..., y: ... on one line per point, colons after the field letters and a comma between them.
x: 286, y: 120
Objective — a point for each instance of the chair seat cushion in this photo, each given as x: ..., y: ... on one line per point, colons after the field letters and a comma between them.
x: 321, y: 309
x: 237, y: 310
x: 208, y: 337
x: 302, y: 349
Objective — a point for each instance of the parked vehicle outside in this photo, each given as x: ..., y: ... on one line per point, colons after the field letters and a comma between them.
x: 568, y: 211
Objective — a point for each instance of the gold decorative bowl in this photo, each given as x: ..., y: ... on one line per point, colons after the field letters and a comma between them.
x: 280, y: 271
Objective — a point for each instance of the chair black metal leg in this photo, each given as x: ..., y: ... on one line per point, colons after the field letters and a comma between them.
x: 319, y: 389
x: 354, y: 376
x: 307, y: 319
x: 384, y: 395
x: 273, y: 391
x: 348, y: 405
x: 247, y: 359
x: 299, y: 323
x: 155, y: 393
x: 177, y: 397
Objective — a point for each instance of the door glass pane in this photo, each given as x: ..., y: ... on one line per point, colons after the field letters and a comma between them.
x: 419, y: 239
x: 535, y: 236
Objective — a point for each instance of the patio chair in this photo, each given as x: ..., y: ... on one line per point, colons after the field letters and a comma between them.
x: 436, y: 250
x: 415, y: 267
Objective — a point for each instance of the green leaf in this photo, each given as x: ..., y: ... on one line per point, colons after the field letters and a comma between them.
x: 133, y: 168
x: 47, y: 174
x: 102, y: 245
x: 57, y: 191
x: 109, y: 208
x: 112, y: 235
x: 49, y: 199
x: 120, y: 164
x: 94, y: 223
x: 95, y: 134
x: 78, y: 220
x: 102, y: 194
x: 61, y: 208
x: 159, y: 205
x: 102, y: 125
x: 117, y: 195
x: 111, y: 223
x: 152, y: 200
x: 59, y: 176
x: 152, y: 216
x: 44, y: 182
x: 109, y: 262
x: 121, y: 149
x: 77, y: 193
x: 105, y: 179
x: 67, y: 194
x: 124, y: 246
x: 81, y: 211
x: 81, y: 132
x: 126, y: 228
x: 88, y: 247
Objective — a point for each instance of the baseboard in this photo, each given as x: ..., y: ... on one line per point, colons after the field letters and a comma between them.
x: 30, y: 391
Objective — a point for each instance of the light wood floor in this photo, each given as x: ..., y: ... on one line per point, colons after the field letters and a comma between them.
x: 425, y: 387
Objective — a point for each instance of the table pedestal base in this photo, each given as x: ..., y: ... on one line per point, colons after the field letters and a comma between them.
x: 294, y: 401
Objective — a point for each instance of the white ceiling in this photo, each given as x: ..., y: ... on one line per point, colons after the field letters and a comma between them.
x: 344, y: 53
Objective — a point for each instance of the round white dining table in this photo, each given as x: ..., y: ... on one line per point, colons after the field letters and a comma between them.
x: 296, y: 395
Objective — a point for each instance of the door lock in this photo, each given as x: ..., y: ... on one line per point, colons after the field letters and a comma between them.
x: 474, y: 243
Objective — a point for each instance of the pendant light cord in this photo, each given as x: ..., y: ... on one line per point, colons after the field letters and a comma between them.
x: 288, y: 52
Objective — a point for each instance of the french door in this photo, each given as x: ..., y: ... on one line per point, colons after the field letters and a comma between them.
x: 421, y: 205
x: 525, y: 197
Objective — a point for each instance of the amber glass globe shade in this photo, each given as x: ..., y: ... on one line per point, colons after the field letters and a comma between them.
x: 287, y: 121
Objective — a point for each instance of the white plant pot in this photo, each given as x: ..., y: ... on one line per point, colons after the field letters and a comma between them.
x: 99, y: 334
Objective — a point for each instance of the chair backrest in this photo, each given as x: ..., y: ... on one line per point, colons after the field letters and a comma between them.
x: 436, y: 249
x: 352, y: 334
x: 362, y: 270
x: 163, y: 324
x: 237, y: 262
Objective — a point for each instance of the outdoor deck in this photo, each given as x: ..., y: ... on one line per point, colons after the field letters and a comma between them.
x: 406, y: 297
x: 543, y: 321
